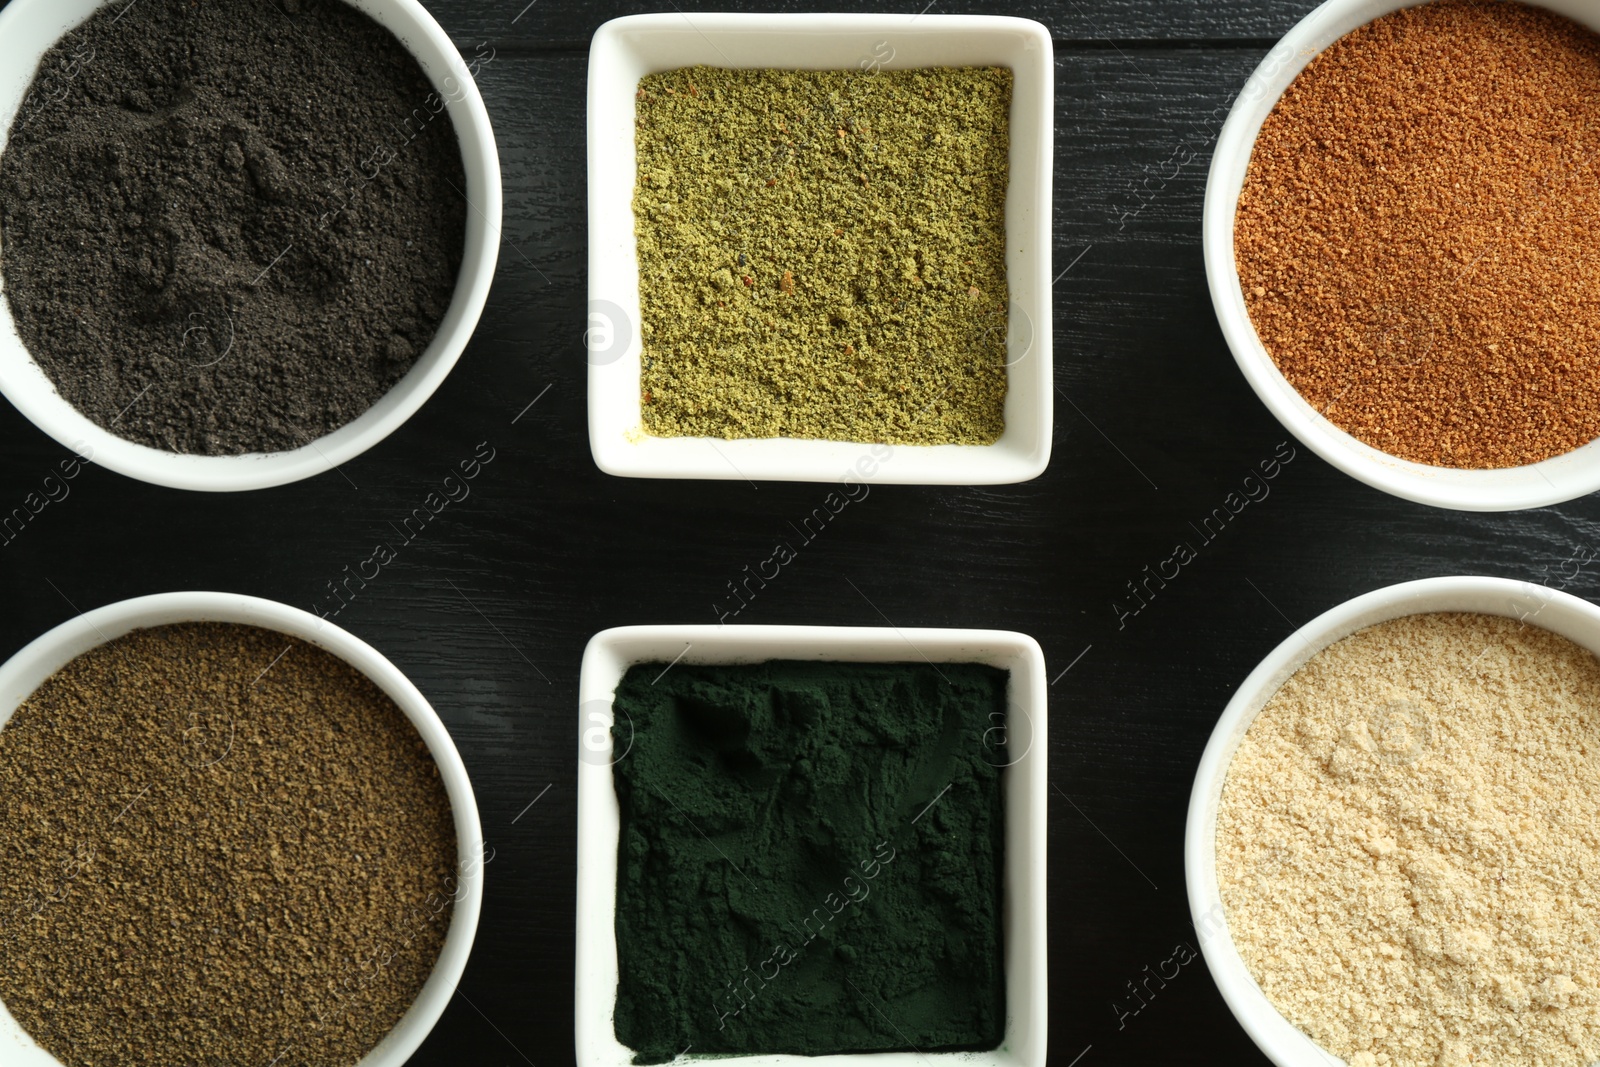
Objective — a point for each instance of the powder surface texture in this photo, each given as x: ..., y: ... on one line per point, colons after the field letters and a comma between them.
x: 822, y: 253
x: 810, y: 858
x: 232, y: 226
x: 1416, y: 235
x: 218, y: 844
x: 1408, y: 846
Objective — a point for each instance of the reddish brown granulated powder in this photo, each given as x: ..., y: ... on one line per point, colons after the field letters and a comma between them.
x: 1417, y: 234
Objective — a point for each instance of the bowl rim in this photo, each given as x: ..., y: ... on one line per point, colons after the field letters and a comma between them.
x: 607, y: 656
x: 1557, y: 611
x: 22, y: 672
x: 30, y: 391
x: 1552, y: 481
x: 618, y: 444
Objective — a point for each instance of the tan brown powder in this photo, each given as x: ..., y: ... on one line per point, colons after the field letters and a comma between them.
x: 1408, y: 846
x: 218, y: 844
x: 1416, y: 236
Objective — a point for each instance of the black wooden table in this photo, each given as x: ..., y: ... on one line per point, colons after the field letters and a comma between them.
x: 488, y: 611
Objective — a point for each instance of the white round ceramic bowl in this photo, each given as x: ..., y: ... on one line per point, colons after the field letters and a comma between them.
x: 23, y: 673
x: 1564, y: 477
x: 28, y: 29
x: 1564, y: 614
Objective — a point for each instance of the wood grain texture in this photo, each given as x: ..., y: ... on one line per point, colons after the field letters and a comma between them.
x: 488, y: 611
x: 554, y: 26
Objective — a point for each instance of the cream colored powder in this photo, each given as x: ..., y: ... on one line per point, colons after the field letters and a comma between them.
x: 1408, y: 846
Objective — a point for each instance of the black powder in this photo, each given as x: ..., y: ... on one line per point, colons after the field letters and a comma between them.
x: 229, y: 227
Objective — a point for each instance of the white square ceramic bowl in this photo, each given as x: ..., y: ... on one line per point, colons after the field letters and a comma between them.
x: 626, y: 49
x: 611, y: 652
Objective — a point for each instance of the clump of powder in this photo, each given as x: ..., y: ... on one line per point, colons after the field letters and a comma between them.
x: 1408, y: 845
x: 1416, y: 240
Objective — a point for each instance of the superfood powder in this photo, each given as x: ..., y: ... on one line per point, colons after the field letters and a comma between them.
x: 229, y: 227
x: 822, y: 253
x: 218, y: 844
x: 810, y: 858
x: 1407, y: 846
x: 1416, y: 236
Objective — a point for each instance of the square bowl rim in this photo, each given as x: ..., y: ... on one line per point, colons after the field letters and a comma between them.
x: 609, y: 653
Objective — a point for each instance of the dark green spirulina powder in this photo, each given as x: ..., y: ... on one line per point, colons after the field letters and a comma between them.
x: 810, y: 858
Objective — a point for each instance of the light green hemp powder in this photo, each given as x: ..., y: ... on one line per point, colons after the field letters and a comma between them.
x: 822, y: 253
